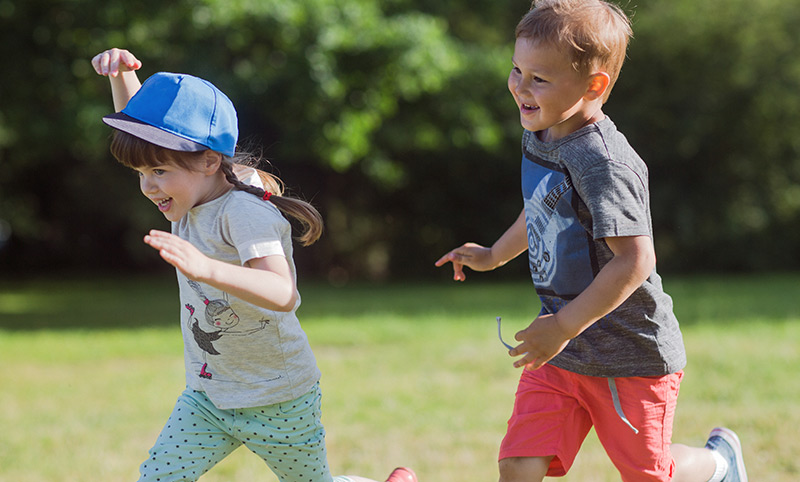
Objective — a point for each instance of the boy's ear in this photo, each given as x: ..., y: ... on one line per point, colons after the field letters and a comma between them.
x: 211, y: 161
x: 598, y: 84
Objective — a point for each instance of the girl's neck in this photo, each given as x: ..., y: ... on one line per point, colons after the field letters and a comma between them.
x: 216, y: 187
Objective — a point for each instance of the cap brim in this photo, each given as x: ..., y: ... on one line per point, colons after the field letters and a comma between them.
x: 154, y: 135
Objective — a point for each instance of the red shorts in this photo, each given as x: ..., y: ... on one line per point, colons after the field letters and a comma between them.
x: 555, y: 409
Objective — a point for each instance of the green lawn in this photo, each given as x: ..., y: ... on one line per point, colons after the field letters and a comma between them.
x: 412, y: 374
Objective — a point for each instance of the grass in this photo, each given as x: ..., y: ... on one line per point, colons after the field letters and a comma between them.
x: 412, y: 374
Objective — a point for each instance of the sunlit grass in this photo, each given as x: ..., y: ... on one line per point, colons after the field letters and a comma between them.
x: 412, y: 375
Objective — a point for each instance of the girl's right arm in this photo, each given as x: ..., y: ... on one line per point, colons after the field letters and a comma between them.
x: 267, y: 282
x: 479, y: 258
x: 120, y: 67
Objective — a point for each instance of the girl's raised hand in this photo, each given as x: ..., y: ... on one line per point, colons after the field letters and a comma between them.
x: 180, y: 254
x: 113, y: 61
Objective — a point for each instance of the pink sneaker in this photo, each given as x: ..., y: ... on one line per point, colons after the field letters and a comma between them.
x: 402, y: 474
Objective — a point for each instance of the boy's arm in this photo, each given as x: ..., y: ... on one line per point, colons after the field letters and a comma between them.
x: 120, y: 67
x: 479, y: 258
x: 633, y: 261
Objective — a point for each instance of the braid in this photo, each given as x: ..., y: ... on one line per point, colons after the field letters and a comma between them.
x: 227, y: 169
x: 295, y: 208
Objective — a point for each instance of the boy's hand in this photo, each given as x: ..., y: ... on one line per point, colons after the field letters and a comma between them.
x: 113, y: 61
x: 541, y: 341
x: 475, y: 256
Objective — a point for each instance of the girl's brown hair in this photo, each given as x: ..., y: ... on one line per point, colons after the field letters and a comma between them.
x: 136, y: 153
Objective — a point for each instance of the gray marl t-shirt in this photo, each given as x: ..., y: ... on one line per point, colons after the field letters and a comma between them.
x: 239, y: 354
x: 578, y: 190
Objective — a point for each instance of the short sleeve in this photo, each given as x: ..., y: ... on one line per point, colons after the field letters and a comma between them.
x: 257, y: 229
x: 617, y: 199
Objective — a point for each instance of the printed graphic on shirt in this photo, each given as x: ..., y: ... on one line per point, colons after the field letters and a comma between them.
x: 558, y: 246
x: 220, y: 316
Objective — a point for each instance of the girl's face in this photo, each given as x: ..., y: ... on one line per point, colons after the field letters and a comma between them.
x: 548, y: 91
x: 225, y: 320
x: 176, y: 190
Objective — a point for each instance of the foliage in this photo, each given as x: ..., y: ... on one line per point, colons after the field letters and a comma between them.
x: 393, y: 118
x: 340, y: 93
x: 716, y: 118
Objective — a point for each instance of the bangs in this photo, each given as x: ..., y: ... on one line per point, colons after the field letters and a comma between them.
x: 137, y: 153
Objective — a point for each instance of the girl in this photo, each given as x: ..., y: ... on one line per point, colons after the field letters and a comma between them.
x: 231, y: 247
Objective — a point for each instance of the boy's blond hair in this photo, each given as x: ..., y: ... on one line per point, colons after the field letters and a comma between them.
x: 594, y: 33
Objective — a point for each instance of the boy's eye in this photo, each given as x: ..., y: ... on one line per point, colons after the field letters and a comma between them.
x: 158, y: 172
x: 538, y: 80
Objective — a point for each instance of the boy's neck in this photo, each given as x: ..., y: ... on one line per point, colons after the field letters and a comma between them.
x: 548, y: 135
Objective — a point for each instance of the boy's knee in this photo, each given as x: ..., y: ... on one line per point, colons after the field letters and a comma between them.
x: 524, y: 469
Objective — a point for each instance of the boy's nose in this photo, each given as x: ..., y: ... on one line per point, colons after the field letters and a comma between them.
x: 521, y: 87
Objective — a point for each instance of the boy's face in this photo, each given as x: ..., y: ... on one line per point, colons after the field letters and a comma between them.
x: 548, y: 91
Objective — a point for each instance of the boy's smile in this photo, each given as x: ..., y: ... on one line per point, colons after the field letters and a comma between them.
x: 550, y: 94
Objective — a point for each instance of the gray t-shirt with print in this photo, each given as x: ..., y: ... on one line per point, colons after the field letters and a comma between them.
x: 239, y: 354
x: 578, y: 190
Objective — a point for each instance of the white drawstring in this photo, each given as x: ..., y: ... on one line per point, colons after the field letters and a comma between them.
x: 612, y: 385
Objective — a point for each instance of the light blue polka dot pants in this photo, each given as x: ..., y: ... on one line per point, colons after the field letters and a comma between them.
x: 289, y: 436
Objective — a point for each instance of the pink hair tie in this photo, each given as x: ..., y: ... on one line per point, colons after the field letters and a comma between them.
x: 267, y: 195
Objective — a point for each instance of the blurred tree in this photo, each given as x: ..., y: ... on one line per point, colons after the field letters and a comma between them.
x: 393, y: 117
x: 340, y: 92
x: 711, y: 99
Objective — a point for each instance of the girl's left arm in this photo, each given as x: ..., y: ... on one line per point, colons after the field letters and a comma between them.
x: 266, y: 282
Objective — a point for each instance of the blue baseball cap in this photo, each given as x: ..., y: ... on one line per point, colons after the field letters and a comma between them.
x: 180, y: 112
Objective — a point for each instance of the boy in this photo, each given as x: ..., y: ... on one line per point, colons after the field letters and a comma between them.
x: 606, y: 350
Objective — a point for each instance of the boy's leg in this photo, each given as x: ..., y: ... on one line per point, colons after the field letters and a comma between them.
x: 640, y: 451
x: 547, y: 427
x: 719, y: 461
x: 692, y: 464
x: 191, y: 443
x: 524, y: 469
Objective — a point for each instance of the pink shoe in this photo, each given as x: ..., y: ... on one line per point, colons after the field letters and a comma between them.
x: 402, y: 474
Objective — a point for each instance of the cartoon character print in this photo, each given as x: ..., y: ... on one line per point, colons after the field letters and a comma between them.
x: 220, y: 315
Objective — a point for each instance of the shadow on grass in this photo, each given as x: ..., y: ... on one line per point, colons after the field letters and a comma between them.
x: 108, y: 303
x: 132, y: 303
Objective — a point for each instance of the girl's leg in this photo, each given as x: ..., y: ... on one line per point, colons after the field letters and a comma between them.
x: 400, y: 474
x: 289, y: 436
x: 191, y: 443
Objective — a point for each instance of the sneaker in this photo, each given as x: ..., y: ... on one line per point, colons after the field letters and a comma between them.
x: 725, y: 442
x: 402, y: 474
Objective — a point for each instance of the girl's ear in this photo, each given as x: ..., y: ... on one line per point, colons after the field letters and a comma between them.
x: 211, y: 162
x: 598, y: 84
